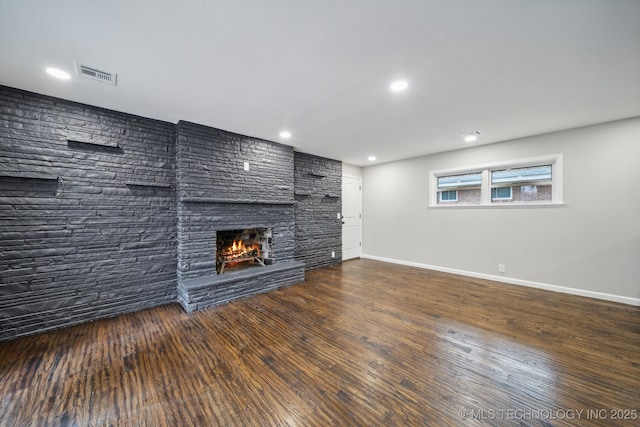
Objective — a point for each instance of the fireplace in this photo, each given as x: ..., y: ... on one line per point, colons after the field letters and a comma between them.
x: 233, y: 189
x: 242, y: 249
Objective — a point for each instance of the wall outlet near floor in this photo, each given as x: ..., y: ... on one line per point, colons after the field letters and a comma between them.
x: 246, y: 166
x: 333, y: 254
x: 339, y: 215
x: 502, y: 268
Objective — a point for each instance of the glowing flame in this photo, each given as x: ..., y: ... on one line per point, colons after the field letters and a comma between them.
x: 238, y: 250
x: 238, y: 246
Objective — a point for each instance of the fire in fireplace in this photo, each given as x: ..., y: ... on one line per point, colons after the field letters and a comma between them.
x: 239, y: 249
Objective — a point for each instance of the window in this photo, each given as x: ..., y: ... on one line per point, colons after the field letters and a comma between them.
x: 501, y: 193
x: 449, y: 196
x: 520, y: 182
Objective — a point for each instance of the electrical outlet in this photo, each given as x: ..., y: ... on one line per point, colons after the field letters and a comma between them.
x: 338, y: 215
x: 502, y: 268
x: 333, y: 254
x: 246, y: 166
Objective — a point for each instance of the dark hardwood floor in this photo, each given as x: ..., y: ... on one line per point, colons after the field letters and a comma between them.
x: 362, y: 344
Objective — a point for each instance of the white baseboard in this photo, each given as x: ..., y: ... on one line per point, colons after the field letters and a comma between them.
x: 513, y: 281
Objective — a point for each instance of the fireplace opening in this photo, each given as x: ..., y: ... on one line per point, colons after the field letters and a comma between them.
x: 240, y: 249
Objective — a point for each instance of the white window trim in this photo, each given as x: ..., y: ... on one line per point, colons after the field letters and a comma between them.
x: 555, y: 160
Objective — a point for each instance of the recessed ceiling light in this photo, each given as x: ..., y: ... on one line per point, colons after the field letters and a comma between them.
x: 471, y: 136
x: 285, y: 134
x: 372, y: 158
x: 58, y: 73
x: 398, y: 85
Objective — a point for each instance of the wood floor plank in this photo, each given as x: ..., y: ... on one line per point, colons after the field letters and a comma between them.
x: 361, y: 344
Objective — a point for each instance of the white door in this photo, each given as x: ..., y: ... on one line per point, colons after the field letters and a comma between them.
x: 351, y: 217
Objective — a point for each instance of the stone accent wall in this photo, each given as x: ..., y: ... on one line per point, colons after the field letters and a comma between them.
x: 103, y: 213
x: 318, y: 195
x: 211, y: 165
x: 87, y: 213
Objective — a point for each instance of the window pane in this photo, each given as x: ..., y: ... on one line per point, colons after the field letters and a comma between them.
x: 532, y: 193
x: 470, y: 196
x: 463, y: 196
x: 520, y: 175
x: 530, y: 184
x: 460, y: 181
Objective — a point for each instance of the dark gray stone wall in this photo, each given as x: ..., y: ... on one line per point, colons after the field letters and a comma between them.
x: 215, y: 192
x: 103, y: 213
x: 211, y: 165
x: 318, y: 195
x: 87, y: 213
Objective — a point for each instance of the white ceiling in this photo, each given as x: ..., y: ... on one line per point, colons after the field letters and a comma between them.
x: 322, y: 68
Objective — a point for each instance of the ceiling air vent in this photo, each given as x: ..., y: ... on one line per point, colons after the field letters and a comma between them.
x: 93, y: 73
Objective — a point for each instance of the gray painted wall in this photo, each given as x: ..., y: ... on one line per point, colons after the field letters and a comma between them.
x: 591, y: 244
x: 351, y: 170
